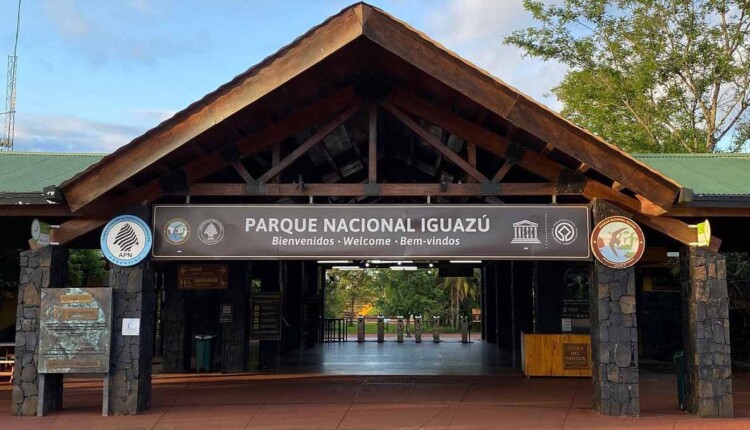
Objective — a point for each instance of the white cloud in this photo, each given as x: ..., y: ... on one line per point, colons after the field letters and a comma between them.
x: 475, y: 29
x: 70, y: 134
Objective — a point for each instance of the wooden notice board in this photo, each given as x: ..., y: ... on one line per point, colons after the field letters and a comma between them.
x: 202, y: 276
x: 556, y: 354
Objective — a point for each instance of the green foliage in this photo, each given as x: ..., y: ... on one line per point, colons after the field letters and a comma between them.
x: 419, y: 292
x: 85, y: 265
x: 649, y: 76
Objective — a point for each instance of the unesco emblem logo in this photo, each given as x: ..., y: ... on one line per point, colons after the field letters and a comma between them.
x: 564, y: 232
x: 211, y: 231
x: 126, y: 240
x: 177, y: 231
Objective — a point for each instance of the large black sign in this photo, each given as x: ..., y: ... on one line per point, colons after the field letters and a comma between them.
x: 204, y: 232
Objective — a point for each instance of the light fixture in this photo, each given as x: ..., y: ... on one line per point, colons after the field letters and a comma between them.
x: 345, y: 268
x: 406, y: 268
x: 391, y: 261
x: 466, y: 261
x: 432, y: 265
x: 367, y: 264
x: 334, y: 261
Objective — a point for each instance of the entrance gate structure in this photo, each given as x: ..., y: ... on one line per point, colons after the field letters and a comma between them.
x: 363, y: 109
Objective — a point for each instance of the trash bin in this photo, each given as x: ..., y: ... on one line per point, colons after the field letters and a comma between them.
x: 679, y: 359
x: 203, y: 354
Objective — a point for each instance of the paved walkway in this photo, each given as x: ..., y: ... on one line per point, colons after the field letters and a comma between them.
x: 214, y: 401
x: 377, y: 386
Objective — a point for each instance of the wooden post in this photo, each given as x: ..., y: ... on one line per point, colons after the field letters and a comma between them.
x: 373, y: 144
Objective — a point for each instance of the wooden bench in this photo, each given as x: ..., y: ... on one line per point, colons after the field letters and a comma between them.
x: 7, y: 360
x: 6, y: 368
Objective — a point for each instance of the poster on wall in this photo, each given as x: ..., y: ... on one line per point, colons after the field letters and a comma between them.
x: 575, y: 300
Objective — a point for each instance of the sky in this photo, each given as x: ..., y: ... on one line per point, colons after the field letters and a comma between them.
x: 93, y: 75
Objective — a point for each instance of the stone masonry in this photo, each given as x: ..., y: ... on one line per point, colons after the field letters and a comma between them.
x: 133, y: 296
x: 41, y: 268
x: 614, y: 335
x: 614, y: 342
x: 706, y: 333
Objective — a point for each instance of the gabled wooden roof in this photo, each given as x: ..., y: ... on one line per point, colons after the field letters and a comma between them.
x: 364, y: 21
x: 306, y: 93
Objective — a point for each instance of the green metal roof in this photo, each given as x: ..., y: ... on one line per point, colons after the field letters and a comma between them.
x: 705, y: 174
x: 30, y: 172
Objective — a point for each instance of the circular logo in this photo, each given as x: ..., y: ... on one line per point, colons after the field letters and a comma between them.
x: 564, y: 232
x: 211, y: 231
x: 618, y: 242
x: 126, y: 240
x: 177, y: 231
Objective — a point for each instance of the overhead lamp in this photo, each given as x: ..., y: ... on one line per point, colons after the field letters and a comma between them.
x: 334, y: 261
x: 466, y: 261
x: 345, y: 268
x: 407, y: 268
x: 391, y: 261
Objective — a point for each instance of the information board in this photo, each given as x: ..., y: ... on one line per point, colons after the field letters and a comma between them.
x: 265, y: 316
x: 202, y: 276
x: 75, y: 330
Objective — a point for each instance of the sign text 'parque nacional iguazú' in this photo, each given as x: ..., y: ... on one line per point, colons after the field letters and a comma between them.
x: 205, y: 232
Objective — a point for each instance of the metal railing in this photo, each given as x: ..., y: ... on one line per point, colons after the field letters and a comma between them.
x: 333, y: 330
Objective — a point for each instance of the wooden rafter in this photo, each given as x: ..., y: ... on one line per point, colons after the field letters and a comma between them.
x: 215, y: 161
x: 372, y: 143
x: 434, y: 142
x: 503, y: 170
x: 309, y: 143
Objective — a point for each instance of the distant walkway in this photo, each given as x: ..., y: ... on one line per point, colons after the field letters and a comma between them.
x: 311, y: 401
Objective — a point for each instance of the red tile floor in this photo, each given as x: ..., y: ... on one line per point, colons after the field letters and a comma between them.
x: 311, y: 401
x: 378, y: 386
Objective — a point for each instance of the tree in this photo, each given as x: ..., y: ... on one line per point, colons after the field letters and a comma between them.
x: 649, y: 75
x: 347, y: 289
x: 460, y: 289
x: 85, y: 265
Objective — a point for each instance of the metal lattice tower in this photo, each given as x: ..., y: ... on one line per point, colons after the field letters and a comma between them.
x: 6, y: 142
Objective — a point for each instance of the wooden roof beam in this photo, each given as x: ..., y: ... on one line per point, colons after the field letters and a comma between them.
x: 434, y: 142
x: 385, y: 189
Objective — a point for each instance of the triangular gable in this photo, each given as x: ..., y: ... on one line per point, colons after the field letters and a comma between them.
x: 362, y: 20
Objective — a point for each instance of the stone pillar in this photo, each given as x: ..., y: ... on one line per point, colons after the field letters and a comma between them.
x: 41, y: 268
x: 614, y: 335
x: 706, y: 333
x: 133, y: 296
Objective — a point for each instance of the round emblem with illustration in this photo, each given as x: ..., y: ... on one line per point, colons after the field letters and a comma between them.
x: 177, y: 231
x: 211, y: 231
x: 618, y: 242
x: 126, y: 240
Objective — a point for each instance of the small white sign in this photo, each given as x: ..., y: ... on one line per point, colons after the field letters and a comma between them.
x: 567, y: 325
x: 131, y: 326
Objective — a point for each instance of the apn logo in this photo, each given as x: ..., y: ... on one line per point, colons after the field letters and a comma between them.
x: 126, y: 239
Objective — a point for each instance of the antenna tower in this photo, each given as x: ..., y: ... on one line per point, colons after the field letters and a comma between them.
x: 6, y: 142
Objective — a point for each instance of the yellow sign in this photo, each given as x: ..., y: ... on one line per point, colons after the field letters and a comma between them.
x: 703, y: 231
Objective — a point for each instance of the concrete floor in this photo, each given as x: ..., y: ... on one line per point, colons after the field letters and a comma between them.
x: 304, y: 398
